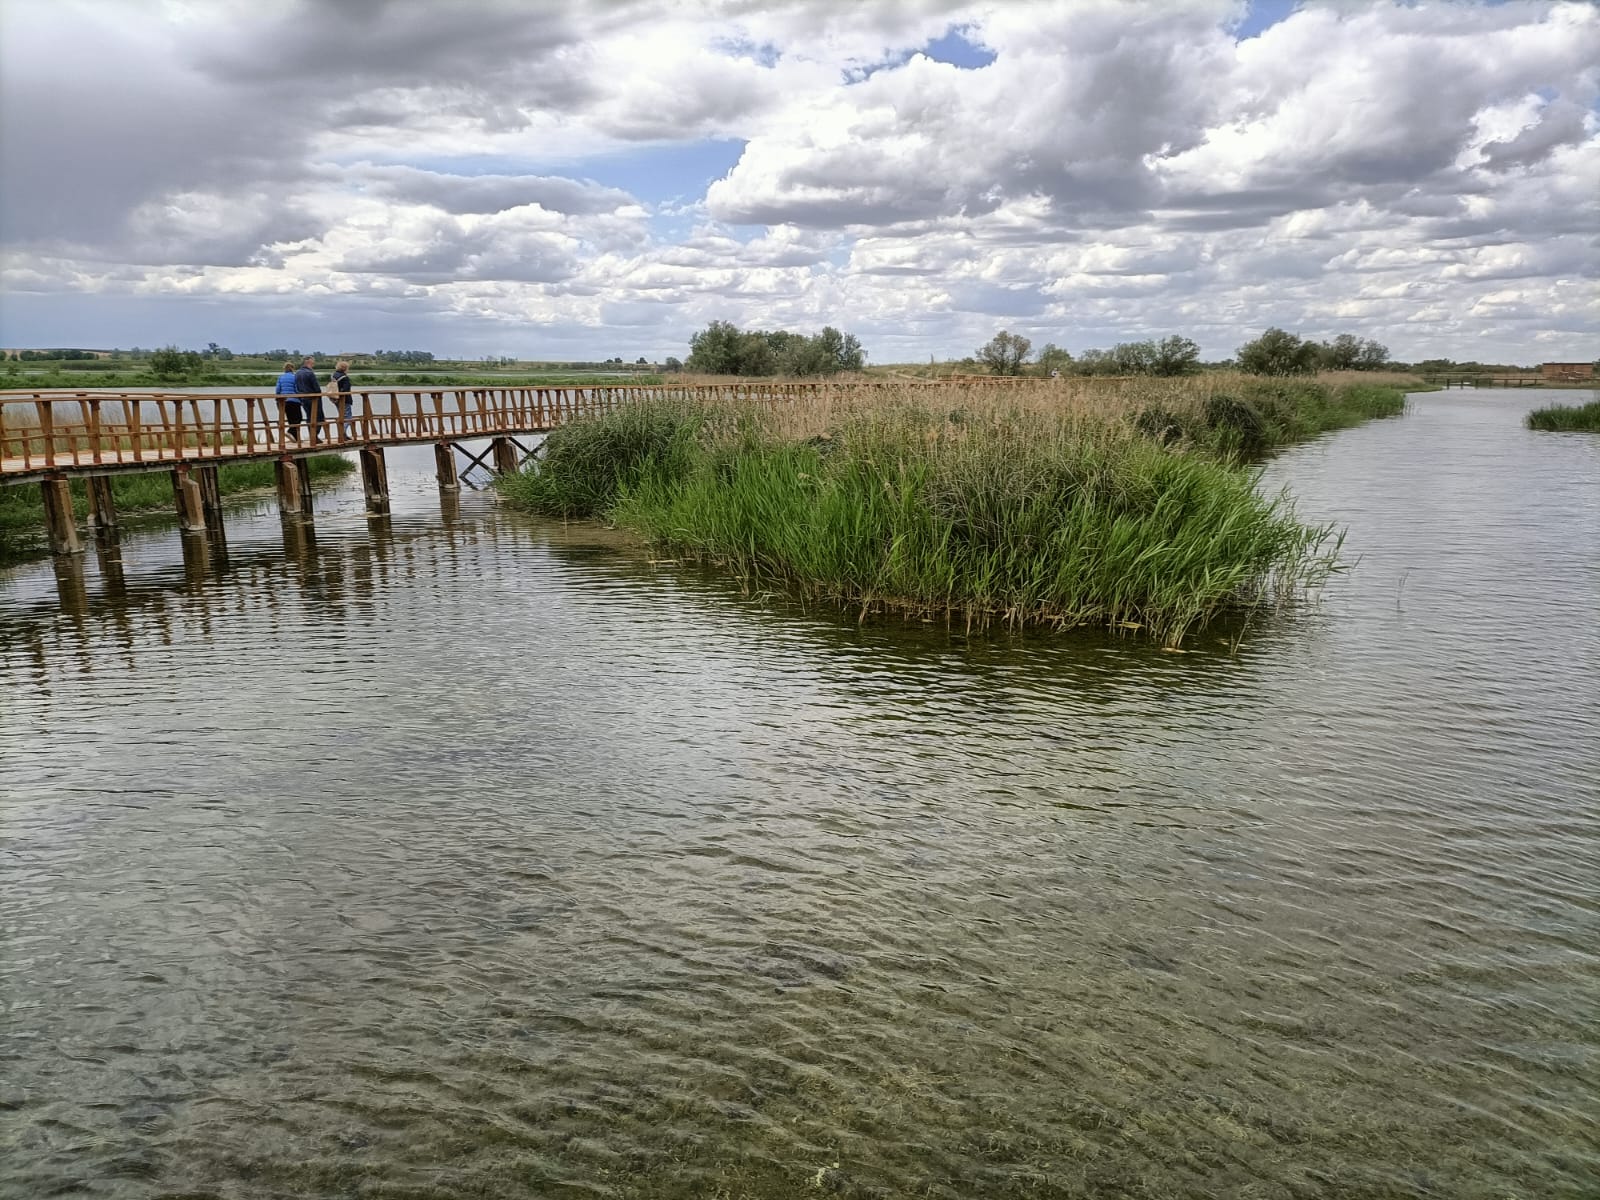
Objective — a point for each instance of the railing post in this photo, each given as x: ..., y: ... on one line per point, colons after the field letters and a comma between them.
x: 47, y: 430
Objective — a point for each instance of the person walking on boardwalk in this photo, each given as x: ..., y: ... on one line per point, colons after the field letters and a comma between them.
x: 341, y: 380
x: 289, y: 403
x: 309, y: 387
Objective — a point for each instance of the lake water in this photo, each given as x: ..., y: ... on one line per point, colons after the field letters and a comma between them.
x: 465, y: 854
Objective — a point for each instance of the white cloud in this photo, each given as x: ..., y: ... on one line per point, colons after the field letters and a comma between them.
x: 499, y: 173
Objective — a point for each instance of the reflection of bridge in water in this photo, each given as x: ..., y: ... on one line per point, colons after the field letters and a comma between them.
x: 104, y: 607
x: 48, y: 439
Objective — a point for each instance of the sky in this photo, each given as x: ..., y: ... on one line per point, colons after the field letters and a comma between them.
x: 577, y: 179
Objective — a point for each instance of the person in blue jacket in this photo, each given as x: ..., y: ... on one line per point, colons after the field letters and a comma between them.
x: 288, y: 402
x: 309, y: 387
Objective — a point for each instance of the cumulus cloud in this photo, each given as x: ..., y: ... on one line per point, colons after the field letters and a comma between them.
x: 1103, y: 170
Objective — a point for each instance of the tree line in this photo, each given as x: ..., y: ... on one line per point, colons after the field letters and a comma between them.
x: 1275, y: 352
x: 722, y: 348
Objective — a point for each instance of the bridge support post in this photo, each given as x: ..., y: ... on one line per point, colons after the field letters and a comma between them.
x: 210, y: 496
x: 186, y: 498
x: 288, y: 478
x: 505, y: 456
x: 302, y: 468
x: 444, y: 467
x: 102, y: 504
x: 375, y: 480
x: 58, y: 519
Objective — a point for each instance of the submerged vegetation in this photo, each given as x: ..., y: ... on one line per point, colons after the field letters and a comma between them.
x: 1566, y: 418
x: 1065, y: 505
x: 22, y: 507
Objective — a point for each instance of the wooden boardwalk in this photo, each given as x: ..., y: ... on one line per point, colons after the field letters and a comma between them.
x: 50, y: 438
x: 63, y: 434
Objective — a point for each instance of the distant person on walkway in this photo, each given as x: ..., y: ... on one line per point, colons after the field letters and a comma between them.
x: 289, y: 403
x: 341, y: 380
x: 309, y: 387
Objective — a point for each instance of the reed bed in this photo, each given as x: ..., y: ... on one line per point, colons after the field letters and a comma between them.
x: 1061, y: 505
x: 1566, y: 418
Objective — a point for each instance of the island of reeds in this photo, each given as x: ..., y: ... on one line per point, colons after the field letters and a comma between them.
x: 1567, y: 418
x: 1129, y: 505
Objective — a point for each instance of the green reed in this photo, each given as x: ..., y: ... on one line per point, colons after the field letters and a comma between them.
x: 1018, y: 515
x: 1566, y: 418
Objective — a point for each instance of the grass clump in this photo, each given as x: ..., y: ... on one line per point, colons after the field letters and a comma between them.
x: 1566, y: 418
x: 1024, y: 516
x: 22, y: 507
x: 1247, y: 421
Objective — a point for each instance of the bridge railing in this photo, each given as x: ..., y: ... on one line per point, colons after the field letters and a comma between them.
x: 44, y: 431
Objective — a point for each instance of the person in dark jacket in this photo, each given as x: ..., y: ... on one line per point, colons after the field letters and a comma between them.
x: 293, y: 414
x: 309, y: 387
x: 341, y: 380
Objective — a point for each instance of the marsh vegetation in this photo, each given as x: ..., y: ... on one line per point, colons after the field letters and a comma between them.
x: 1130, y: 506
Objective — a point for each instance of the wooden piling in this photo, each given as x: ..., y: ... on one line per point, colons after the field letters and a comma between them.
x: 374, y: 479
x: 61, y: 525
x: 444, y: 463
x: 505, y: 456
x: 102, y: 504
x: 288, y: 478
x: 210, y: 496
x: 186, y: 499
x: 303, y: 469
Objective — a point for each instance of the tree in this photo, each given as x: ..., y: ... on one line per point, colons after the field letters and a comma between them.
x: 1175, y: 356
x: 672, y: 364
x: 1341, y: 353
x: 1277, y: 352
x: 1371, y: 356
x: 169, y: 363
x: 1005, y: 353
x: 715, y: 349
x: 1134, y: 358
x: 1054, y: 358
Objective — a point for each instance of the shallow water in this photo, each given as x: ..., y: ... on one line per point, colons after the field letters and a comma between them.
x: 471, y: 855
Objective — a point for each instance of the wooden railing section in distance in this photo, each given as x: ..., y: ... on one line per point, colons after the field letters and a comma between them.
x: 98, y: 432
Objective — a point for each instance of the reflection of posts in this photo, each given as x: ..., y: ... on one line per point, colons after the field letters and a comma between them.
x: 109, y: 555
x: 71, y: 585
x: 299, y: 541
x: 450, y: 505
x: 196, y: 557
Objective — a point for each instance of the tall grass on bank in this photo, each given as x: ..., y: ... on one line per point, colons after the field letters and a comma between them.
x: 1012, y: 514
x: 22, y: 507
x: 1566, y: 418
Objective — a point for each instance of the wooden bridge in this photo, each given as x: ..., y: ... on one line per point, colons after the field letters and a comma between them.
x: 49, y: 438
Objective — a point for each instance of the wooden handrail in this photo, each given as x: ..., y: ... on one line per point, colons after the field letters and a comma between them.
x: 42, y: 431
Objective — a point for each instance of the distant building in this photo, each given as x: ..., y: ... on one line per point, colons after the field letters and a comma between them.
x: 1566, y: 372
